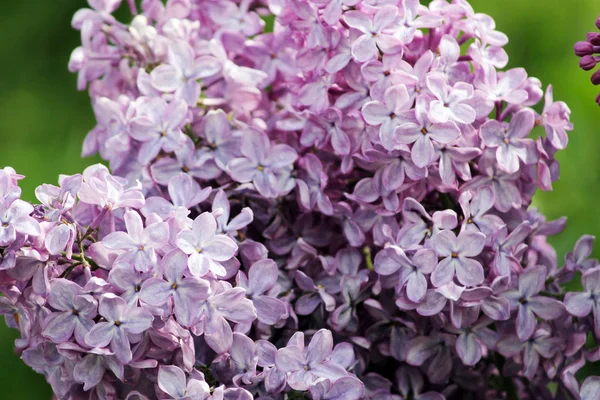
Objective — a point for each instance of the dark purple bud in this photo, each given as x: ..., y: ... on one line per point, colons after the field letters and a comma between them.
x: 598, y: 99
x: 583, y: 49
x: 587, y: 63
x: 590, y: 36
x: 596, y: 78
x: 598, y: 23
x: 595, y: 40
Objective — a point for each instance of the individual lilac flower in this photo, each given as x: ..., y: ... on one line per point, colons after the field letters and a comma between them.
x: 374, y: 37
x: 555, y: 118
x: 345, y: 315
x: 57, y: 202
x: 411, y: 384
x: 267, y: 166
x: 475, y: 209
x: 184, y: 192
x: 14, y: 218
x: 206, y: 248
x: 345, y: 388
x: 392, y: 258
x: 329, y: 126
x: 308, y: 302
x: 451, y: 102
x: 457, y: 253
x: 435, y: 300
x: 388, y: 115
x: 236, y: 17
x: 348, y: 262
x: 421, y: 133
x: 540, y: 344
x: 74, y: 313
x: 112, y: 134
x: 358, y: 90
x: 240, y: 221
x: 244, y: 359
x: 529, y: 303
x: 139, y: 243
x: 506, y: 87
x: 247, y: 77
x: 129, y: 281
x: 310, y: 189
x: 198, y: 163
x: 315, y: 93
x: 473, y: 341
x: 579, y: 257
x: 580, y: 304
x: 230, y: 304
x: 369, y: 190
x: 305, y: 365
x: 91, y: 369
x: 275, y: 380
x: 172, y: 381
x: 121, y: 320
x: 381, y: 75
x: 433, y: 350
x: 398, y: 166
x: 453, y: 161
x: 506, y: 248
x: 107, y: 191
x: 511, y: 143
x: 504, y: 185
x: 262, y: 277
x: 157, y: 126
x: 272, y: 53
x: 489, y: 299
x: 333, y: 9
x: 183, y: 71
x: 419, y: 225
x: 185, y: 291
x: 221, y: 141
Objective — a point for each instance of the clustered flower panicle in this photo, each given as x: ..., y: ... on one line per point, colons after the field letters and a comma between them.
x: 589, y: 51
x: 325, y: 199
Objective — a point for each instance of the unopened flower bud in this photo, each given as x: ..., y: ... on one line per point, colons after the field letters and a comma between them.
x: 587, y: 63
x: 591, y: 36
x: 583, y: 49
x: 598, y: 23
x: 596, y: 78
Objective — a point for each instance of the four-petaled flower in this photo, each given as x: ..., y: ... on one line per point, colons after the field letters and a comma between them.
x: 458, y: 253
x: 206, y: 248
x: 529, y: 303
x: 121, y: 320
x: 74, y: 313
x: 185, y: 291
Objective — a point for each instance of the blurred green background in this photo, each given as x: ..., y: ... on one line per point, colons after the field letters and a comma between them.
x: 43, y: 119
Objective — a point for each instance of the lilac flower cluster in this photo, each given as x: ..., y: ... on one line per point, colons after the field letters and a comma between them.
x: 589, y: 51
x: 308, y: 199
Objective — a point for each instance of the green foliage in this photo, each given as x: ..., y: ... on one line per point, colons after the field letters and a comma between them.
x: 43, y: 117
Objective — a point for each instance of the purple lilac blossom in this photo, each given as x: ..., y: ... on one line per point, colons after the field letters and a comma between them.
x: 336, y: 176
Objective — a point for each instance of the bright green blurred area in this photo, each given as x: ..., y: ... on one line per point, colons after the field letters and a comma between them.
x: 43, y: 119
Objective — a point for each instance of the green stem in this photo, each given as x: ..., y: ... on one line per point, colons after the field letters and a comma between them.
x: 368, y: 259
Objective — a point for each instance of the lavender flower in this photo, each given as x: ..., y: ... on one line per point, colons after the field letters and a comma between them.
x: 121, y: 320
x: 530, y: 304
x: 457, y: 253
x: 185, y: 292
x: 74, y: 312
x: 336, y: 174
x: 205, y: 248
